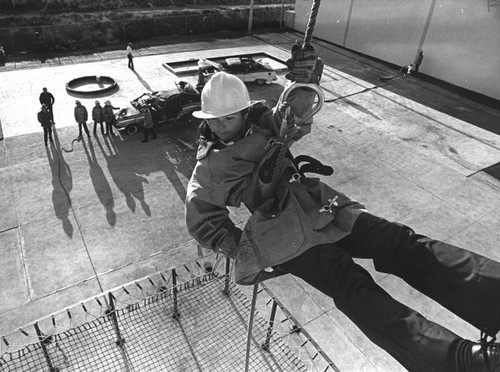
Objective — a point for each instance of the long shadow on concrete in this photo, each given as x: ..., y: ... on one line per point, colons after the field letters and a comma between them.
x: 100, y: 182
x: 62, y: 183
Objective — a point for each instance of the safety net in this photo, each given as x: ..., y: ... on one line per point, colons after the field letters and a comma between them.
x: 193, y: 318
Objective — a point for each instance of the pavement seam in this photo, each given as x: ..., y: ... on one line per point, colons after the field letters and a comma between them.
x: 77, y: 223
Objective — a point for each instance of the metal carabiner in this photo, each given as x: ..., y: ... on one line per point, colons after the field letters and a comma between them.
x: 272, y: 142
x: 319, y: 93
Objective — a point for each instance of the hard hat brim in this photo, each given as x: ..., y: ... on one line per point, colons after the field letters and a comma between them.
x: 208, y: 115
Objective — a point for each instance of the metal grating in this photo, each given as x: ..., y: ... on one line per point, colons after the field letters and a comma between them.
x: 158, y: 325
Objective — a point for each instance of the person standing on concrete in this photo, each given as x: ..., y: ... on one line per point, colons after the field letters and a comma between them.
x: 2, y: 56
x: 45, y: 120
x: 149, y: 126
x: 81, y: 117
x: 130, y: 56
x: 109, y: 116
x: 97, y: 116
x: 48, y: 99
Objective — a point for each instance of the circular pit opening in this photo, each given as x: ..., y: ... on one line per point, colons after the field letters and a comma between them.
x: 93, y: 84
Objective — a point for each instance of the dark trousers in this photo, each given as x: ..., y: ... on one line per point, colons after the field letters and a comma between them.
x: 130, y: 61
x: 464, y: 282
x: 95, y: 126
x: 47, y: 134
x: 84, y: 125
x: 109, y: 127
x: 147, y: 132
x: 49, y: 107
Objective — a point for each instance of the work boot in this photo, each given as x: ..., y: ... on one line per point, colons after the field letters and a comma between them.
x: 486, y: 356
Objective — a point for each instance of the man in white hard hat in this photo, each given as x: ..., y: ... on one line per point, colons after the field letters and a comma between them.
x: 306, y: 228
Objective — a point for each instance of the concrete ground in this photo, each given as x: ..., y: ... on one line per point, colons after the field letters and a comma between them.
x: 80, y: 218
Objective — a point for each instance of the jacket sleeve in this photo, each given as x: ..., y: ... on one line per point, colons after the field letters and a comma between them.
x: 218, y: 181
x: 207, y: 219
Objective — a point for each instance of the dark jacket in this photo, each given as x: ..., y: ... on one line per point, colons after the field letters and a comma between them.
x: 81, y: 114
x: 108, y: 114
x: 47, y: 98
x: 45, y: 119
x: 97, y: 114
x: 281, y: 227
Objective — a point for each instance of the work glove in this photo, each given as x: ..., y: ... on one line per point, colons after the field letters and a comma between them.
x: 304, y: 66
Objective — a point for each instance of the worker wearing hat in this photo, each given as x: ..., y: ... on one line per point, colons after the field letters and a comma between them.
x: 97, y: 117
x: 306, y: 228
x: 45, y: 120
x: 81, y: 117
x: 109, y: 116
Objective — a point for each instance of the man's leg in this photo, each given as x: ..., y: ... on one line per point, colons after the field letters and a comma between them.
x: 464, y: 282
x: 146, y: 135
x: 79, y: 129
x: 49, y: 131
x: 86, y: 128
x: 95, y: 128
x: 417, y: 343
x: 45, y: 135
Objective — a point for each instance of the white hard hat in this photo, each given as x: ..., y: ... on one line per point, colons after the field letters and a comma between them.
x: 224, y: 94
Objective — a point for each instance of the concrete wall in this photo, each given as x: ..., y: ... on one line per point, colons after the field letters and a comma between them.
x: 460, y: 38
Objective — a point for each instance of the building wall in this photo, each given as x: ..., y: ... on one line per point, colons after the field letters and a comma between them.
x: 460, y: 38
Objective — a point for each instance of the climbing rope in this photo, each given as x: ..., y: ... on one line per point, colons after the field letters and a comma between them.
x: 287, y: 131
x: 77, y: 139
x: 312, y: 22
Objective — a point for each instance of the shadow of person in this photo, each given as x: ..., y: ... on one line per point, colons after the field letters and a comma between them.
x: 62, y: 184
x: 100, y: 183
x: 143, y: 82
x: 120, y: 167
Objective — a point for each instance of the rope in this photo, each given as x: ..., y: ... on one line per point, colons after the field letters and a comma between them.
x: 77, y: 139
x: 312, y: 22
x: 287, y: 131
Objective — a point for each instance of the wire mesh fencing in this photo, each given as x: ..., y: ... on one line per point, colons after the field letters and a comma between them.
x: 193, y: 318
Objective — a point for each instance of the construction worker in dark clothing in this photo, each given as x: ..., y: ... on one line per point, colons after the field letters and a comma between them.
x: 109, y: 116
x: 81, y: 116
x: 97, y: 116
x: 299, y: 225
x: 149, y: 126
x: 46, y: 98
x: 46, y: 121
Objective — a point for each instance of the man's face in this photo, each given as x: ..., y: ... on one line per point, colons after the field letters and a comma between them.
x: 228, y: 127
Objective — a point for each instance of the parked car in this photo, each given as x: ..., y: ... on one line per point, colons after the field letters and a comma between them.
x: 166, y: 106
x: 244, y: 67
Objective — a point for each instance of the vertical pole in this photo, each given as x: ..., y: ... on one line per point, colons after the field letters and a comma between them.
x: 226, y: 279
x: 112, y: 314
x: 282, y: 12
x: 43, y: 341
x: 250, y: 18
x: 250, y: 326
x: 265, y: 345
x: 176, y: 315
